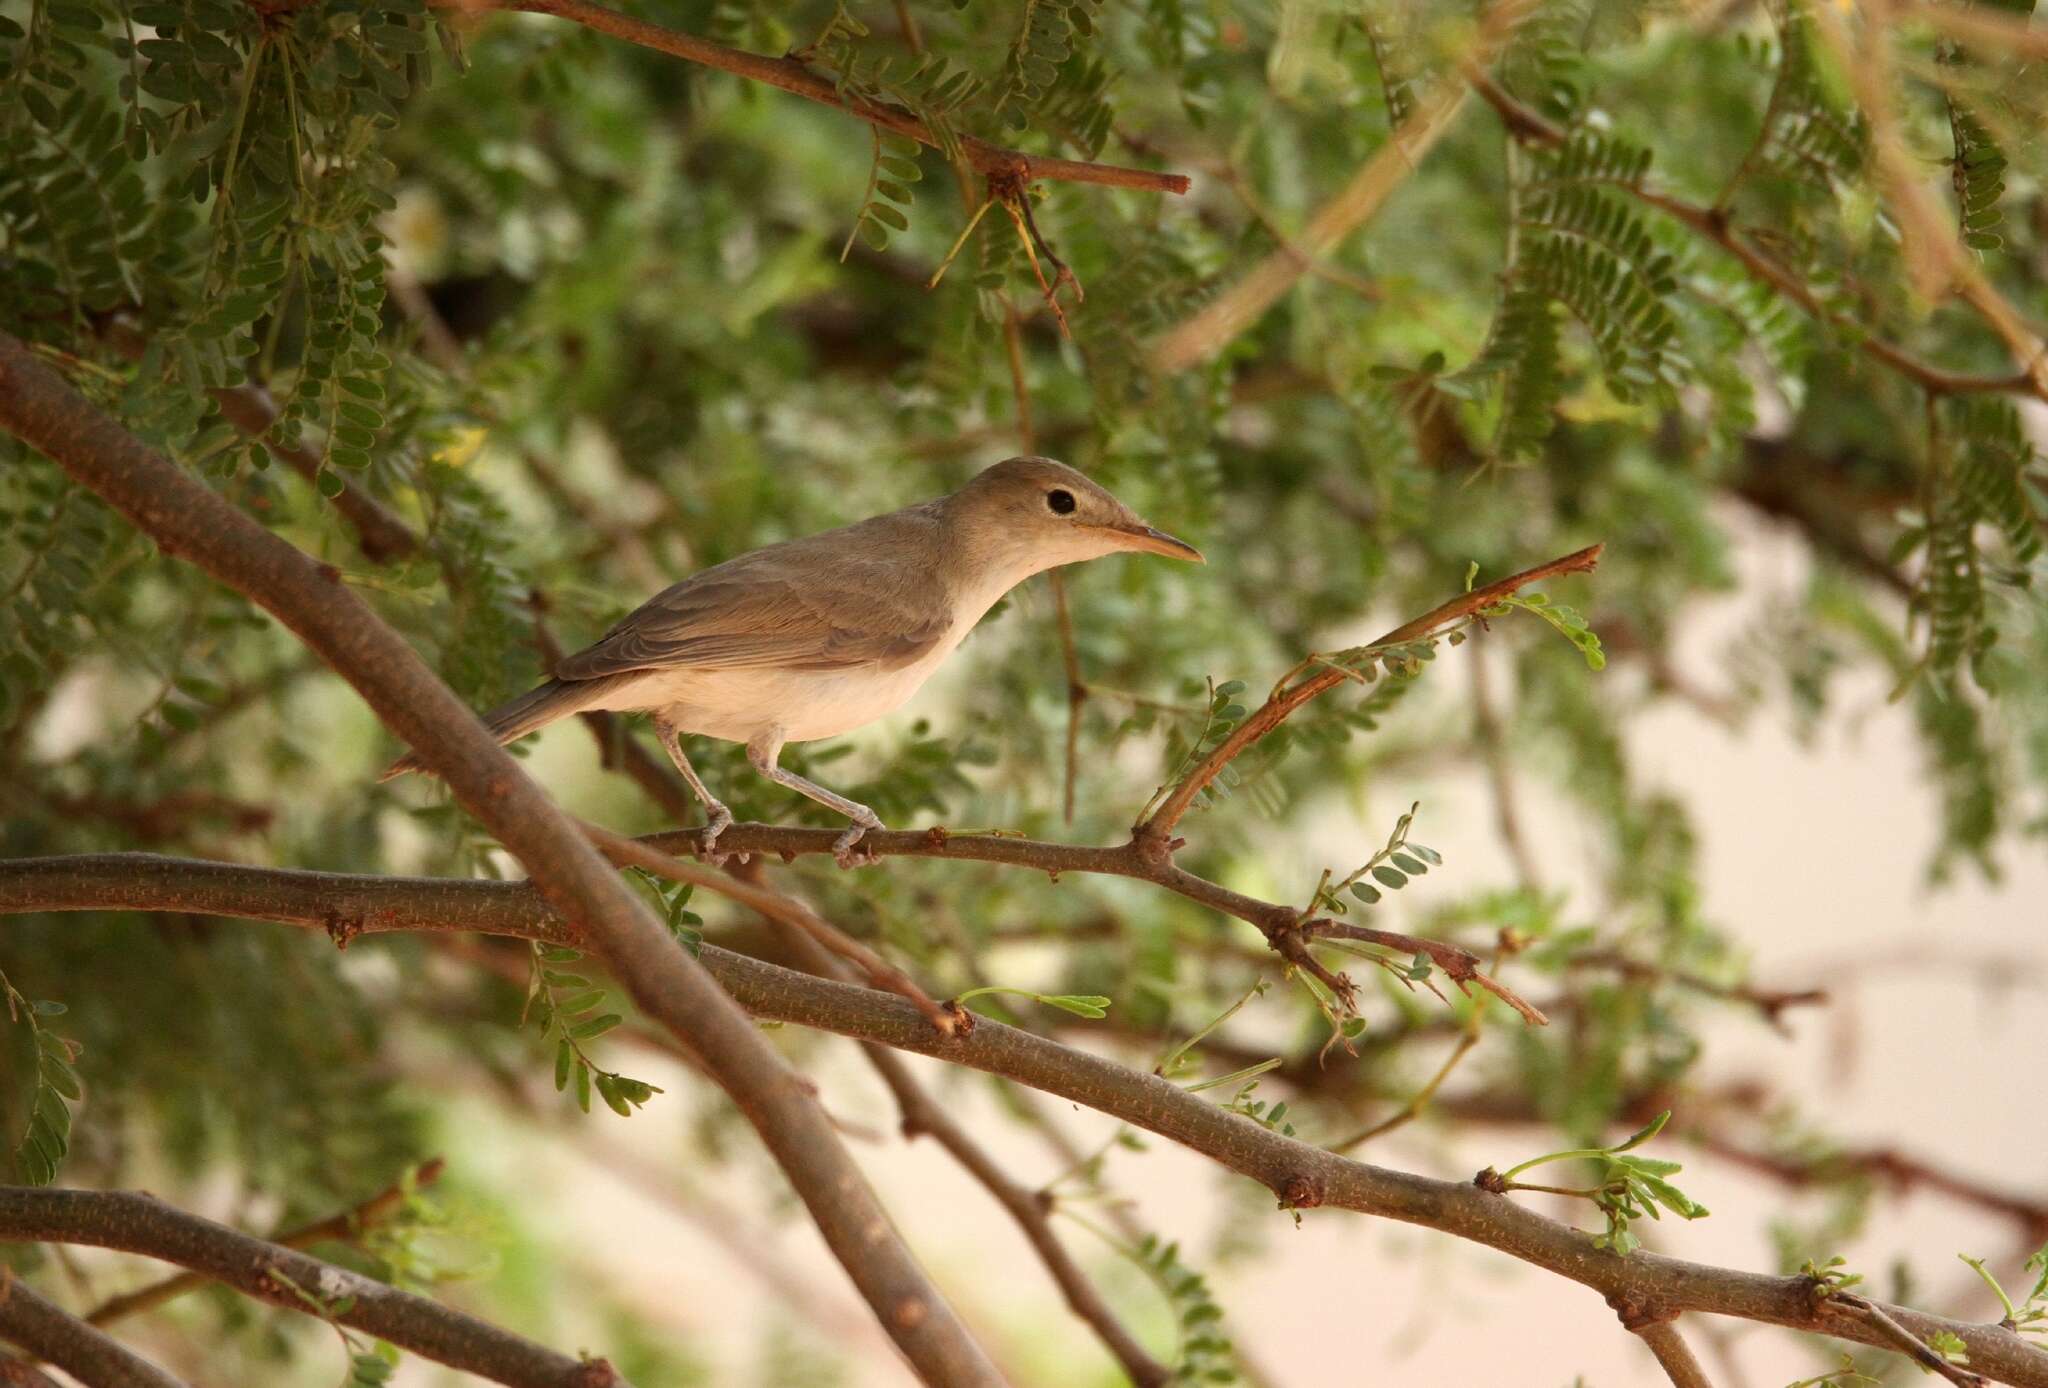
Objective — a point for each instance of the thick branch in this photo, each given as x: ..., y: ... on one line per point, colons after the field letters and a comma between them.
x: 189, y: 521
x: 1299, y: 1174
x: 91, y: 1356
x: 1155, y: 832
x: 346, y: 1227
x: 137, y: 1223
x: 922, y: 1115
x: 792, y: 76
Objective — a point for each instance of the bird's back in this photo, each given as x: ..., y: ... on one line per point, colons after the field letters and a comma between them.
x: 870, y: 594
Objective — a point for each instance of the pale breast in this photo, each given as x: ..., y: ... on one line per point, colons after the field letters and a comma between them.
x: 738, y: 705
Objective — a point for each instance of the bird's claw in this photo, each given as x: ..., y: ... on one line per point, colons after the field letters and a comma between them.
x: 849, y: 852
x: 707, y: 838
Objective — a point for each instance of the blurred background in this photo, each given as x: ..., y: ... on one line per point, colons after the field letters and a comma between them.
x: 514, y: 323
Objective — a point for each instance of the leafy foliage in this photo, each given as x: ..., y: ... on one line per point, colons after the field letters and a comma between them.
x: 1629, y: 1187
x: 583, y: 319
x: 565, y: 1007
x: 1204, y: 1350
x: 53, y: 1088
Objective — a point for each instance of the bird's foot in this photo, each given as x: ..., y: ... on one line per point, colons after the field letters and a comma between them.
x: 849, y: 852
x: 719, y: 820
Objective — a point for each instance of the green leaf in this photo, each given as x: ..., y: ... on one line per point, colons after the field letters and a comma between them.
x: 1080, y: 1004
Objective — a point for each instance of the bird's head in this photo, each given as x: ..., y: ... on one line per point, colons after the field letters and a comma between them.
x: 1032, y: 514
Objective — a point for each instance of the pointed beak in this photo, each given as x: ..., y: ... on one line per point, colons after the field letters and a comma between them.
x: 1139, y: 536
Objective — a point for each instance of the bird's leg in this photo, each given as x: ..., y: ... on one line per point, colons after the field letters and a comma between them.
x: 761, y: 755
x: 716, y: 815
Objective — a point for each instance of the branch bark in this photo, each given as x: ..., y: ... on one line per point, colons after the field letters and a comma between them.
x: 346, y: 1227
x: 1681, y: 1366
x: 922, y: 1115
x: 794, y: 77
x: 137, y: 1223
x: 189, y: 521
x: 1300, y: 1175
x: 45, y: 1330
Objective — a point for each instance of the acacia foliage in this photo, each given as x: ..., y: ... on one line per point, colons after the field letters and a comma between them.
x: 578, y: 314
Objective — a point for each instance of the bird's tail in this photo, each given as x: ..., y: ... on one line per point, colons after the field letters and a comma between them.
x: 532, y: 710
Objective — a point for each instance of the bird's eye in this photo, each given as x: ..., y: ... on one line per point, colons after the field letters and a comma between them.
x: 1061, y: 500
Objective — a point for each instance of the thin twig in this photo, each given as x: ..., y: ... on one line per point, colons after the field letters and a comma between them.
x: 794, y: 77
x: 1204, y: 333
x: 1411, y: 1110
x: 1932, y: 244
x: 1896, y: 1336
x: 1155, y: 831
x: 381, y: 533
x: 1713, y: 225
x: 924, y: 1116
x: 879, y: 972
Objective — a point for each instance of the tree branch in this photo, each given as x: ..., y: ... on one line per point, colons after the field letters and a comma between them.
x: 794, y: 77
x: 20, y: 1373
x: 1896, y: 1336
x: 1282, y: 925
x: 1300, y: 1175
x: 137, y: 1223
x: 1680, y: 1365
x: 1713, y: 225
x: 346, y: 1227
x: 381, y: 533
x: 92, y: 1357
x: 924, y: 1116
x: 187, y: 520
x: 1154, y: 833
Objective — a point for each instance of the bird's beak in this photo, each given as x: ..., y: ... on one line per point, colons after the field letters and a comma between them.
x: 1139, y: 536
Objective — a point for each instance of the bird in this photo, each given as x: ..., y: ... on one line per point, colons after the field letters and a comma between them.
x: 818, y: 636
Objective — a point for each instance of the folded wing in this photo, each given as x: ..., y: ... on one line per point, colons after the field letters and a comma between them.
x: 799, y: 606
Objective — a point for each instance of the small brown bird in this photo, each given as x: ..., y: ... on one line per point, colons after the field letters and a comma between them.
x: 815, y: 637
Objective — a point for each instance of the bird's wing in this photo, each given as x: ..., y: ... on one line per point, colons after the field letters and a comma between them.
x: 830, y: 602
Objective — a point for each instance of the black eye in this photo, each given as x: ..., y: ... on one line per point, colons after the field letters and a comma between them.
x: 1061, y: 500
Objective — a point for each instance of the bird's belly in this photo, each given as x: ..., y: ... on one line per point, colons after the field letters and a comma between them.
x: 738, y: 705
